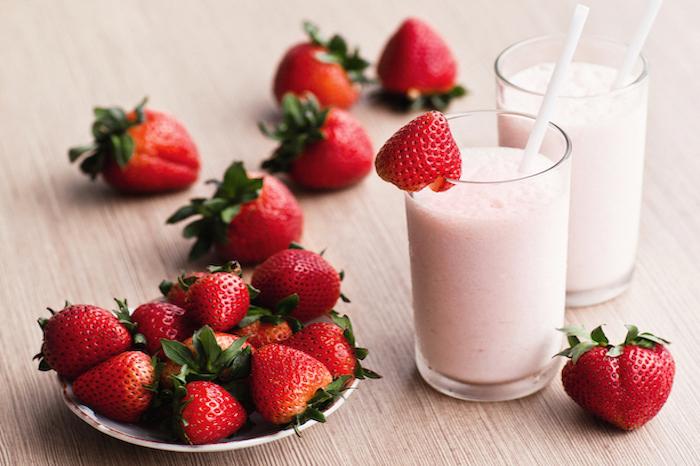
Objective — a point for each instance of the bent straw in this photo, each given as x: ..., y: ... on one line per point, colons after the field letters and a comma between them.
x: 534, y: 142
x: 635, y: 47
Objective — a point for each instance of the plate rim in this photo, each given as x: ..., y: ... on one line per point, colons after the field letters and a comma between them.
x: 83, y: 413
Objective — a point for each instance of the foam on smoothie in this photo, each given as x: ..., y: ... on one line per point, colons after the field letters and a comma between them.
x: 583, y: 80
x: 494, y: 165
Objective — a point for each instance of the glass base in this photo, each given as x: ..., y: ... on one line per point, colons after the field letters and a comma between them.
x: 487, y: 392
x: 599, y: 295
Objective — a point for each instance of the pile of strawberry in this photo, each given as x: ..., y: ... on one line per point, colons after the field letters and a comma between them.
x: 321, y: 145
x: 198, y: 362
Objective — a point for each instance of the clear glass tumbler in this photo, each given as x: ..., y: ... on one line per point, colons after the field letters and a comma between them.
x: 607, y: 130
x: 488, y: 262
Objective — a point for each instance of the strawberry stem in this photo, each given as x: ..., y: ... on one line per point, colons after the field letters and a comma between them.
x: 111, y: 139
x: 415, y: 100
x: 216, y: 213
x: 337, y: 51
x: 302, y: 120
x: 580, y: 341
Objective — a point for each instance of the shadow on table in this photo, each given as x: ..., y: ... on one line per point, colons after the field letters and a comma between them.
x: 567, y: 411
x: 74, y: 442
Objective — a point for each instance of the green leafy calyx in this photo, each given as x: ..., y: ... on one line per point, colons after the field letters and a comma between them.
x: 337, y: 51
x: 321, y: 400
x: 580, y: 341
x: 281, y: 313
x: 111, y: 140
x: 124, y: 317
x: 209, y: 361
x: 216, y: 213
x: 415, y: 100
x: 343, y: 321
x: 301, y: 125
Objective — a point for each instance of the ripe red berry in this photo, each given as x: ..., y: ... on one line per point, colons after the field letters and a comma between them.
x: 301, y: 272
x: 422, y: 153
x: 80, y: 337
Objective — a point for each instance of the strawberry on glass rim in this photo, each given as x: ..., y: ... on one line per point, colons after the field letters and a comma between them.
x: 625, y: 384
x: 417, y: 69
x: 422, y: 153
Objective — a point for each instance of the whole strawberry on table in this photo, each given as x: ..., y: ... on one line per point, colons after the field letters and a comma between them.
x: 625, y: 384
x: 326, y: 68
x: 319, y: 148
x: 248, y: 218
x: 417, y: 68
x: 143, y: 151
x: 202, y: 361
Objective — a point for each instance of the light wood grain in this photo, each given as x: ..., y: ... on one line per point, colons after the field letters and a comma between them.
x: 210, y: 63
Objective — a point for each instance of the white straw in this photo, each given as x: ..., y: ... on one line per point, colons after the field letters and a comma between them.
x: 546, y: 112
x: 635, y: 47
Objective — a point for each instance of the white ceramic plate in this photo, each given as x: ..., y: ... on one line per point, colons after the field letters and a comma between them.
x: 261, y: 432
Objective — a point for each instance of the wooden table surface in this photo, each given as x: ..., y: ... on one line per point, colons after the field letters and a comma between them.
x: 210, y: 64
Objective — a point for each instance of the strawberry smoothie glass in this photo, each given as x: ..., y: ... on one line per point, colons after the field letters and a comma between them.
x: 488, y: 262
x: 607, y: 129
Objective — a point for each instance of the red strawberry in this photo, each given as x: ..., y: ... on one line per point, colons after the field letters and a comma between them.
x: 209, y: 413
x: 247, y: 219
x: 418, y: 67
x: 334, y: 345
x: 263, y: 326
x: 325, y: 68
x: 625, y: 385
x: 158, y: 320
x: 220, y: 299
x: 289, y: 386
x: 261, y: 333
x: 210, y: 363
x: 173, y: 292
x: 422, y: 153
x: 301, y: 272
x: 327, y: 149
x: 120, y: 387
x: 144, y: 151
x: 79, y: 337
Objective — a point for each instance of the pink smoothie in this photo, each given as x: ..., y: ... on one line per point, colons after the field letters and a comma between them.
x: 607, y: 132
x: 488, y: 264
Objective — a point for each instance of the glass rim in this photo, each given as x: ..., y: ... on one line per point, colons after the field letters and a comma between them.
x: 556, y: 128
x: 643, y: 75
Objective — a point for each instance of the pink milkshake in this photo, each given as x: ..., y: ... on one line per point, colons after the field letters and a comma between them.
x: 607, y: 130
x: 488, y: 263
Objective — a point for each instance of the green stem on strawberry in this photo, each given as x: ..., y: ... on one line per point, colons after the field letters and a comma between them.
x: 111, y: 139
x: 580, y: 341
x: 209, y: 362
x: 217, y: 212
x: 414, y: 100
x: 43, y: 363
x: 165, y: 286
x: 337, y: 51
x: 323, y: 398
x: 302, y: 120
x: 281, y: 313
x: 124, y: 317
x: 343, y: 321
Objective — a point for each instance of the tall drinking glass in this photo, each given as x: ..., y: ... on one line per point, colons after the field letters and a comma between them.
x: 488, y: 262
x: 607, y: 129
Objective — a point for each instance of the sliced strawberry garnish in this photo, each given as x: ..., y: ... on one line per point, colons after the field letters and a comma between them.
x: 422, y: 153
